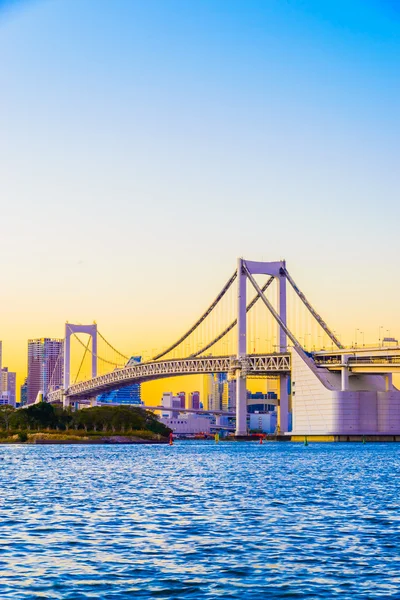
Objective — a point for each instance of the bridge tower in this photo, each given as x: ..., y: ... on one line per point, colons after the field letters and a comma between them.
x: 241, y: 382
x: 277, y: 270
x: 283, y: 409
x: 70, y: 330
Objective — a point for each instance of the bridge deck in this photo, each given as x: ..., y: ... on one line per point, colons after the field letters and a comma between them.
x: 252, y: 364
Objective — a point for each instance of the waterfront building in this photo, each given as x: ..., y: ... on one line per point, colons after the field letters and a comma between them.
x: 1, y: 365
x: 24, y: 393
x: 188, y: 424
x: 208, y: 383
x: 9, y: 384
x: 176, y: 403
x: 217, y: 394
x: 263, y: 422
x: 182, y: 396
x: 130, y: 394
x: 5, y: 398
x: 169, y: 401
x: 225, y: 396
x: 259, y: 402
x: 166, y: 403
x: 231, y: 385
x: 45, y: 366
x: 194, y: 400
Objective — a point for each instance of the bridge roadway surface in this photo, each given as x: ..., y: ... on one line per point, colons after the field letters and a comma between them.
x: 197, y: 411
x: 359, y: 360
x: 379, y: 360
x: 252, y: 364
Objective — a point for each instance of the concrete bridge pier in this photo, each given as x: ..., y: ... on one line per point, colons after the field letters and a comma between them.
x: 345, y: 373
x: 241, y: 386
x: 283, y: 412
x: 283, y: 408
x: 388, y: 382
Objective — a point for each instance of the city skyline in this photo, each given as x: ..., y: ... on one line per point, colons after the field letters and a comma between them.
x: 183, y: 168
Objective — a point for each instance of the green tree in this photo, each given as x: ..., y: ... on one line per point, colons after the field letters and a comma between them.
x: 6, y: 414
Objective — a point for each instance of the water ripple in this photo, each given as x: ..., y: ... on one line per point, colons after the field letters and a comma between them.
x: 199, y: 520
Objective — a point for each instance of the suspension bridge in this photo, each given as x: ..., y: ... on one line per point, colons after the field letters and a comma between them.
x: 259, y: 325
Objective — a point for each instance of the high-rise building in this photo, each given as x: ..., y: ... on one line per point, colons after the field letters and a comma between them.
x: 131, y: 394
x: 126, y: 395
x: 45, y: 366
x: 225, y: 396
x: 176, y: 403
x: 169, y: 401
x: 194, y: 400
x: 166, y: 400
x: 6, y: 399
x: 231, y: 384
x: 24, y: 393
x: 9, y: 384
x: 182, y: 396
x: 208, y: 382
x: 219, y: 380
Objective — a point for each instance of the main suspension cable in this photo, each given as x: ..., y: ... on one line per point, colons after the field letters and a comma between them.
x: 202, y: 318
x: 96, y: 355
x: 314, y: 313
x: 111, y: 346
x: 232, y: 325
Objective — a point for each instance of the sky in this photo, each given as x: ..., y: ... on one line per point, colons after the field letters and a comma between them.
x: 146, y: 145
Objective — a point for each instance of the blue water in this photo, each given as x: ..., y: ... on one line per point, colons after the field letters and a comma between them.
x: 200, y: 520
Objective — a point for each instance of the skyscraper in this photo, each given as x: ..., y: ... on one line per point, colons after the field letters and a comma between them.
x: 182, y: 396
x: 24, y: 393
x: 231, y: 384
x: 194, y: 400
x: 208, y: 383
x: 9, y: 382
x: 45, y: 366
x: 130, y: 394
x: 219, y: 381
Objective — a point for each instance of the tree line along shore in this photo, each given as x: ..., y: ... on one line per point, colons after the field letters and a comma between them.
x: 46, y: 423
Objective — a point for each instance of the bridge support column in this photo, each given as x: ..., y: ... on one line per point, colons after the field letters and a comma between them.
x: 345, y: 373
x: 241, y: 386
x: 388, y: 382
x: 218, y: 420
x: 283, y: 413
x: 281, y: 335
x: 241, y: 405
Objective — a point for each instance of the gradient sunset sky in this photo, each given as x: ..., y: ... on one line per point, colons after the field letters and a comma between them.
x: 145, y: 145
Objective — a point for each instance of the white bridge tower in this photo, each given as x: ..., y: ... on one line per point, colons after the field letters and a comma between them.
x: 71, y: 330
x: 277, y: 270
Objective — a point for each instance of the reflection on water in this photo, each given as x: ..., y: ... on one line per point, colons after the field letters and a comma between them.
x: 199, y: 520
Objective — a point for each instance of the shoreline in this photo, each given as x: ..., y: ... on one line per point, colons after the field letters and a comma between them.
x: 48, y: 438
